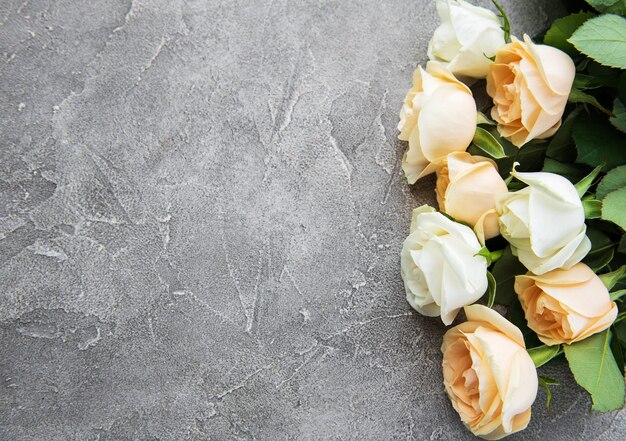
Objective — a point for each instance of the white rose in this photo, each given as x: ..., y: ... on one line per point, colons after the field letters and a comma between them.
x: 438, y: 117
x: 440, y: 267
x: 544, y: 222
x: 466, y: 39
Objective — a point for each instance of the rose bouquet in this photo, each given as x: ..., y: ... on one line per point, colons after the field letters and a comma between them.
x: 531, y: 189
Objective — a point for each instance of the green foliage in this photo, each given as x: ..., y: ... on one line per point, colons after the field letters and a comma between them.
x: 595, y: 369
x: 593, y: 208
x: 506, y: 26
x: 603, y: 39
x: 618, y: 119
x: 609, y: 6
x: 613, y: 180
x: 585, y: 183
x: 616, y: 295
x: 488, y: 143
x: 563, y: 28
x: 504, y: 272
x: 613, y: 207
x: 491, y: 289
x: 545, y: 383
x: 602, y: 249
x: 482, y: 119
x: 561, y: 146
x: 573, y: 172
x: 597, y: 141
x: 543, y: 354
x: 578, y: 96
x: 611, y: 279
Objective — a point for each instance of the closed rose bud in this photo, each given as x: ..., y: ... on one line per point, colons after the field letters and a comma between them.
x: 438, y: 117
x: 467, y: 187
x: 529, y: 84
x: 488, y: 375
x: 466, y: 39
x: 565, y: 306
x: 544, y: 222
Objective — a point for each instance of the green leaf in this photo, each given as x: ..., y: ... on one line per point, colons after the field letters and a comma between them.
x: 618, y: 354
x: 613, y: 180
x: 573, y: 172
x: 618, y: 294
x: 543, y: 354
x: 504, y: 271
x: 611, y: 279
x: 484, y: 251
x: 613, y: 207
x: 593, y: 208
x: 583, y: 185
x: 545, y: 383
x: 621, y: 248
x: 619, y: 332
x: 488, y: 144
x: 482, y: 119
x: 594, y: 368
x: 490, y: 256
x: 584, y: 81
x: 608, y: 6
x: 563, y: 28
x: 491, y: 289
x: 496, y: 255
x: 619, y: 115
x: 578, y: 96
x: 561, y: 144
x: 597, y: 141
x: 602, y: 250
x: 603, y: 39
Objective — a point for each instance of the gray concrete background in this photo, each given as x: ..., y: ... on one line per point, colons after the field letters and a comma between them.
x: 201, y: 212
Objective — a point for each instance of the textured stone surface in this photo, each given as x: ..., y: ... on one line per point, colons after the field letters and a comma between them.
x: 201, y: 211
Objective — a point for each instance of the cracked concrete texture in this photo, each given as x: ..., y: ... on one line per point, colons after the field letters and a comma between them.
x: 201, y: 211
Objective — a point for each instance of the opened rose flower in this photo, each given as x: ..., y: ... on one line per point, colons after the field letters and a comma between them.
x: 529, y: 84
x: 467, y: 187
x: 441, y: 269
x: 438, y: 117
x: 544, y: 222
x: 488, y: 375
x: 565, y: 306
x: 468, y: 37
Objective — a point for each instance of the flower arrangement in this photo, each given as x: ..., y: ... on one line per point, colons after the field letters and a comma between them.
x: 532, y: 207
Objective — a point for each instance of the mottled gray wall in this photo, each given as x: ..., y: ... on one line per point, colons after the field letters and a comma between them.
x: 201, y: 210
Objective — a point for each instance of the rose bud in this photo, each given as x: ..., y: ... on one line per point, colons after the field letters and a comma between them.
x: 438, y: 117
x: 468, y: 37
x: 544, y: 222
x: 467, y: 187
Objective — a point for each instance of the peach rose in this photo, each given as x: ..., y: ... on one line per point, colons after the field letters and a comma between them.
x: 565, y: 306
x: 467, y: 187
x: 438, y: 117
x: 490, y: 378
x: 529, y: 84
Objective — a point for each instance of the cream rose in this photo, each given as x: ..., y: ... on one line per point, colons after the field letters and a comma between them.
x: 565, y: 306
x: 438, y: 117
x: 467, y: 187
x: 467, y: 39
x: 440, y: 266
x: 544, y: 222
x: 490, y: 378
x: 529, y: 84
